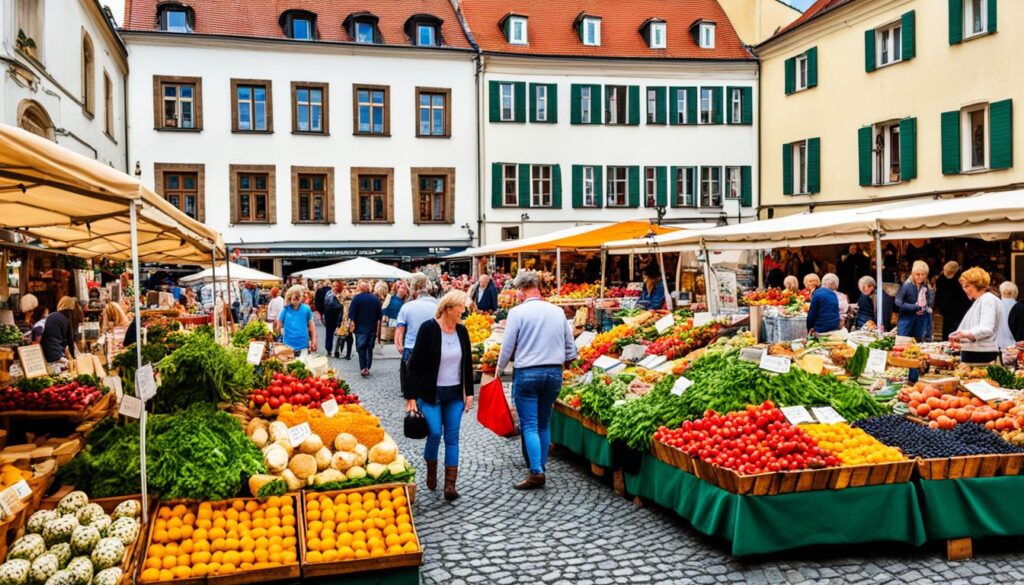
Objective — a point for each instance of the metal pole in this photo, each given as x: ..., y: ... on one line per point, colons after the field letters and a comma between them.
x: 878, y: 273
x: 664, y: 280
x: 519, y: 261
x: 707, y: 281
x: 604, y: 260
x: 213, y: 292
x: 227, y: 267
x: 679, y: 271
x: 133, y: 218
x: 760, y: 269
x: 558, y: 267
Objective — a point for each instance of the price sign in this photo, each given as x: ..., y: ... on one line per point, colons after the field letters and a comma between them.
x: 876, y: 361
x: 33, y: 364
x: 986, y: 391
x: 114, y: 383
x: 665, y: 323
x: 84, y: 364
x: 779, y: 364
x: 330, y: 407
x: 701, y: 319
x: 827, y: 415
x: 130, y: 407
x: 797, y: 415
x: 585, y: 339
x: 633, y: 352
x: 589, y: 377
x: 145, y: 383
x: 606, y: 363
x: 22, y: 489
x: 682, y: 383
x: 298, y: 433
x: 256, y: 349
x: 652, y: 361
x: 11, y: 497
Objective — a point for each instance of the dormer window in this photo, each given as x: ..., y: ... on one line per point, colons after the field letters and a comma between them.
x: 424, y: 30
x: 362, y: 28
x: 426, y: 35
x: 589, y: 29
x: 175, y: 17
x: 299, y: 25
x: 364, y: 32
x: 707, y: 35
x: 655, y: 32
x: 514, y: 27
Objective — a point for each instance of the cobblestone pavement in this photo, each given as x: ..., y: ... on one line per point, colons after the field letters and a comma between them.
x: 577, y: 531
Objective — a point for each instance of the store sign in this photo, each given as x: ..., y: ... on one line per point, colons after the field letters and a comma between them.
x: 986, y: 391
x: 256, y: 349
x: 877, y: 359
x: 145, y: 383
x: 585, y: 339
x: 665, y: 323
x: 682, y: 383
x: 330, y: 407
x: 298, y: 433
x: 33, y: 364
x: 779, y: 364
x: 827, y: 415
x: 130, y: 407
x: 797, y: 415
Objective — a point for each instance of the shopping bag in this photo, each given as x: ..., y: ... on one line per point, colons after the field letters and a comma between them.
x: 493, y: 411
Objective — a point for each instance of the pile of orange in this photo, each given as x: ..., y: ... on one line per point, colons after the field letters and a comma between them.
x: 220, y: 538
x: 358, y: 525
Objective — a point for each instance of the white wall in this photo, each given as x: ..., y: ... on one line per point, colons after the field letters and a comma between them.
x: 567, y: 144
x: 217, y: 147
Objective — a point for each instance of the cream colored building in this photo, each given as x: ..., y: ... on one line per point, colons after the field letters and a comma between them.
x: 756, y: 20
x: 869, y: 100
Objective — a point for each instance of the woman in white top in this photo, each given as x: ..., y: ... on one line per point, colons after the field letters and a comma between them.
x: 274, y: 306
x: 978, y: 331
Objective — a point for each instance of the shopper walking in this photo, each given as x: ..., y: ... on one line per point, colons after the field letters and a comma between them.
x: 295, y: 322
x: 394, y: 301
x: 274, y: 306
x: 538, y: 335
x: 333, y: 309
x: 364, y: 316
x: 977, y: 332
x: 344, y: 340
x: 319, y: 296
x: 912, y: 302
x: 950, y: 300
x: 411, y: 317
x: 823, y: 315
x: 441, y: 386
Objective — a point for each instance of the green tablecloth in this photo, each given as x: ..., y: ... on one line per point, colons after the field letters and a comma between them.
x: 400, y: 576
x: 571, y: 434
x: 975, y: 507
x: 766, y: 524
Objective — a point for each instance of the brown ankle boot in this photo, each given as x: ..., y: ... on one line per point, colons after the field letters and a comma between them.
x: 432, y: 475
x: 450, y: 474
x: 532, y: 482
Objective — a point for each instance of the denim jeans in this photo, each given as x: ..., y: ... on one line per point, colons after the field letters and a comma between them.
x: 443, y: 417
x: 364, y: 348
x: 910, y: 325
x: 534, y: 391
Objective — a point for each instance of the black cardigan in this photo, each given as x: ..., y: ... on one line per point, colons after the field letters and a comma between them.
x: 425, y: 362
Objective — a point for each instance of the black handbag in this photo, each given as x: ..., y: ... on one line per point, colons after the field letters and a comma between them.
x: 416, y: 425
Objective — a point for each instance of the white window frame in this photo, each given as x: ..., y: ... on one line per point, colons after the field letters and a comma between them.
x: 511, y: 102
x: 681, y: 106
x: 540, y: 99
x: 589, y: 187
x: 969, y: 15
x: 517, y: 33
x: 800, y: 168
x: 883, y: 172
x: 591, y: 32
x: 613, y: 180
x: 889, y: 44
x: 710, y: 111
x: 967, y: 162
x: 801, y: 72
x: 711, y: 187
x: 420, y: 28
x: 706, y: 33
x: 733, y: 177
x: 612, y: 112
x: 507, y: 180
x: 361, y: 29
x: 686, y: 197
x: 650, y: 187
x: 652, y: 105
x: 540, y: 186
x: 658, y: 35
x: 736, y: 105
x: 586, y: 104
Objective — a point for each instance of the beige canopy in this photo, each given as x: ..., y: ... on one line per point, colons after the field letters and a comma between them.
x: 79, y: 205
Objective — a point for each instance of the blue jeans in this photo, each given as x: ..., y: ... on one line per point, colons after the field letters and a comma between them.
x: 534, y: 391
x: 442, y: 417
x: 910, y: 325
x: 364, y: 348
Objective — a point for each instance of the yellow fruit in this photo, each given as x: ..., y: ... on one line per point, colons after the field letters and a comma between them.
x: 199, y: 570
x: 314, y: 556
x: 346, y: 553
x: 182, y: 572
x: 410, y: 547
x: 150, y: 575
x: 166, y: 575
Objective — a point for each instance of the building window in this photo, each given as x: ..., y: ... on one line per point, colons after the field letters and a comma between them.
x: 890, y: 44
x: 372, y: 110
x: 886, y: 151
x: 618, y: 183
x: 88, y: 74
x: 433, y: 190
x: 253, y: 195
x: 707, y: 36
x: 175, y: 19
x: 29, y: 19
x: 681, y: 106
x: 426, y: 35
x: 658, y: 35
x: 300, y: 27
x: 182, y: 191
x: 509, y: 233
x: 540, y: 186
x: 540, y: 102
x: 252, y: 110
x: 733, y: 182
x: 108, y: 105
x: 372, y: 192
x: 365, y: 32
x: 650, y: 187
x: 975, y: 17
x: 801, y: 72
x: 312, y: 197
x: 510, y: 193
x: 585, y: 104
x: 517, y: 30
x: 508, y: 99
x: 652, y: 106
x: 711, y: 186
x: 800, y: 167
x: 736, y: 105
x: 707, y: 105
x: 432, y: 112
x: 589, y: 188
x: 179, y: 103
x: 309, y: 108
x: 372, y: 196
x: 685, y: 188
x: 615, y: 112
x: 975, y: 134
x: 592, y: 32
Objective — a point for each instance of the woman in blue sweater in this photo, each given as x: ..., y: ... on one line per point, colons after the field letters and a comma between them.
x: 912, y: 302
x: 866, y: 302
x: 823, y: 315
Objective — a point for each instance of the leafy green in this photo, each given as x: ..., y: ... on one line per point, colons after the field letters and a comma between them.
x: 406, y: 476
x: 298, y: 369
x: 254, y: 330
x: 1004, y: 377
x: 202, y: 370
x: 10, y: 334
x: 856, y: 364
x: 885, y: 343
x: 278, y: 487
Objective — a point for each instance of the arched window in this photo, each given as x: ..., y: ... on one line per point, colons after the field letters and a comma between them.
x: 88, y: 74
x: 32, y: 117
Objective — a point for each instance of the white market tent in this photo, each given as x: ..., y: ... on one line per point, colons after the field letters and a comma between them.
x: 238, y: 273
x: 355, y: 269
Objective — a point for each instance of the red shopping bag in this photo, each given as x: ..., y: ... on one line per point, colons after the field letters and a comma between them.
x: 493, y: 411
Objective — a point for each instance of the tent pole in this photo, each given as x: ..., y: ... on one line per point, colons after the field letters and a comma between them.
x: 213, y: 291
x: 878, y: 273
x: 133, y: 217
x: 664, y: 280
x: 519, y: 261
x: 227, y: 267
x: 760, y: 269
x: 679, y: 271
x: 604, y: 260
x: 707, y: 280
x: 558, y: 267
x: 630, y: 266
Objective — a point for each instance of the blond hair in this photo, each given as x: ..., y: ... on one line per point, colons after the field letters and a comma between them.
x: 114, y: 314
x: 296, y: 291
x: 453, y: 298
x: 812, y: 279
x: 976, y: 277
x: 919, y: 268
x: 67, y: 304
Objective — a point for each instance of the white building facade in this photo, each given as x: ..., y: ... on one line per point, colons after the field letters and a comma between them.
x: 65, y: 74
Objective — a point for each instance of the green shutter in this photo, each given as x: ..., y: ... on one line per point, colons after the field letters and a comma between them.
x: 497, y: 174
x: 951, y: 142
x: 524, y: 185
x: 577, y: 186
x: 661, y: 186
x: 575, y: 106
x: 673, y: 186
x: 790, y: 75
x: 673, y: 105
x: 787, y: 169
x: 596, y: 105
x: 520, y: 99
x: 495, y: 100
x: 728, y: 105
x: 633, y: 186
x: 814, y: 165
x: 908, y: 149
x: 552, y: 103
x: 956, y: 24
x: 864, y: 145
x: 746, y: 188
x: 869, y: 50
x: 633, y: 105
x: 747, y: 115
x: 717, y: 105
x: 907, y: 22
x: 812, y: 67
x: 993, y: 16
x: 598, y: 186
x: 691, y: 105
x: 659, y: 104
x: 556, y: 186
x: 1000, y: 118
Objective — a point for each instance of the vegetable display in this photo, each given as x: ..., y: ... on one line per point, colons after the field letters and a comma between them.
x: 597, y: 399
x: 1005, y: 378
x: 354, y: 525
x: 946, y: 411
x: 856, y: 364
x: 202, y: 370
x: 636, y: 421
x: 11, y: 335
x: 683, y: 339
x: 310, y: 391
x: 917, y: 440
x: 73, y: 395
x: 254, y: 330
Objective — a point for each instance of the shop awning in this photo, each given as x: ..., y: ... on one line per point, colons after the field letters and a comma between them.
x: 987, y: 216
x: 579, y: 237
x: 355, y: 269
x: 239, y: 273
x: 80, y: 206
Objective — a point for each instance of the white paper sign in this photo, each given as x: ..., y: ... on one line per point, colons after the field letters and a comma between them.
x: 633, y: 352
x: 682, y: 383
x: 701, y: 319
x: 130, y: 407
x: 589, y: 377
x: 256, y: 349
x: 114, y: 383
x: 585, y: 339
x: 986, y: 391
x: 797, y: 415
x: 145, y: 383
x: 298, y: 433
x: 876, y: 361
x: 852, y: 343
x: 652, y: 361
x: 606, y: 363
x: 779, y: 364
x: 9, y: 500
x: 303, y: 354
x: 22, y: 489
x: 665, y: 323
x: 330, y: 407
x: 827, y: 415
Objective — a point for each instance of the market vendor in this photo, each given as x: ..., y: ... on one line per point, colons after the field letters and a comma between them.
x: 791, y: 284
x: 296, y: 321
x: 866, y: 302
x: 977, y: 332
x: 823, y: 315
x: 653, y: 292
x: 58, y: 332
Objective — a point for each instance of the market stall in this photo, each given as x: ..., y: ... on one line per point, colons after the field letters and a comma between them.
x: 355, y: 269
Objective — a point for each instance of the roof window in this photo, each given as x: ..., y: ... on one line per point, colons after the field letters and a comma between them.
x: 362, y: 28
x: 703, y: 33
x: 589, y: 29
x: 299, y: 25
x: 175, y: 17
x: 424, y: 30
x: 514, y: 27
x: 655, y: 33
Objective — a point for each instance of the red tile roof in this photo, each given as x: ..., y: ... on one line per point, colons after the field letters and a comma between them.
x: 550, y: 28
x: 817, y: 9
x: 260, y: 18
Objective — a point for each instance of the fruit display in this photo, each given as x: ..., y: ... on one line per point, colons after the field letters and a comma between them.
x: 946, y: 411
x: 309, y: 391
x: 774, y: 297
x: 77, y: 394
x: 852, y: 446
x: 619, y: 292
x: 11, y: 335
x: 683, y: 339
x: 479, y: 327
x: 916, y: 440
x: 221, y: 538
x: 489, y: 360
x: 575, y: 292
x: 358, y: 524
x: 10, y: 475
x: 603, y: 344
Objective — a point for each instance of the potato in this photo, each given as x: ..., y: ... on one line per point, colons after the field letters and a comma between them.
x: 275, y: 458
x: 278, y: 431
x: 303, y: 465
x: 345, y: 442
x: 294, y: 483
x: 323, y: 458
x: 260, y: 437
x: 311, y: 445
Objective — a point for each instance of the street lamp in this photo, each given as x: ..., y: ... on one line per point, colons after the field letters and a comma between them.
x: 469, y: 230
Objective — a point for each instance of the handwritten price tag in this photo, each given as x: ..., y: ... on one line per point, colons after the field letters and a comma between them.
x: 130, y: 407
x: 330, y: 407
x: 827, y: 415
x: 256, y: 349
x: 986, y: 391
x: 779, y: 364
x: 682, y: 383
x: 9, y: 501
x: 585, y: 339
x: 665, y: 323
x: 145, y: 383
x: 797, y: 415
x: 22, y: 489
x: 298, y: 433
x: 876, y: 361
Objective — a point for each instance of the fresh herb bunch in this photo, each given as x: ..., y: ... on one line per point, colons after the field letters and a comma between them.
x: 253, y: 331
x: 886, y: 343
x: 35, y: 384
x: 856, y: 364
x: 11, y: 335
x: 202, y: 370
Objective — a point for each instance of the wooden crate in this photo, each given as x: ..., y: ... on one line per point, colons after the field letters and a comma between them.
x: 877, y: 474
x: 970, y: 466
x: 568, y: 411
x: 323, y: 569
x: 594, y: 426
x: 144, y: 550
x: 95, y: 411
x: 672, y: 456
